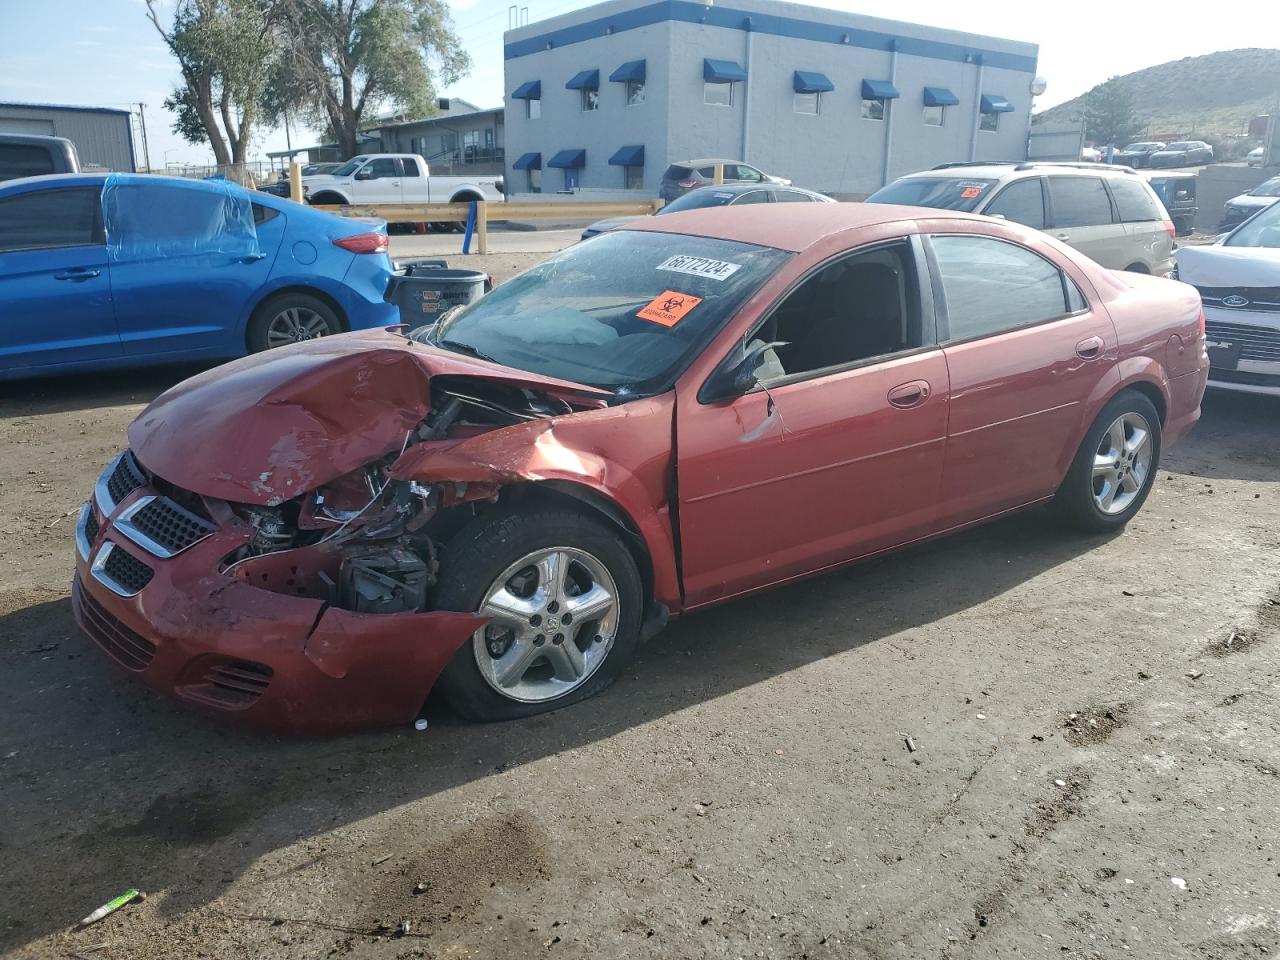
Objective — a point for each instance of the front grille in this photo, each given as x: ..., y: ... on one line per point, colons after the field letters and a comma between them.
x: 1259, y: 299
x: 131, y: 651
x: 120, y: 570
x: 91, y: 526
x: 119, y: 480
x: 161, y: 527
x: 1256, y: 343
x: 231, y: 685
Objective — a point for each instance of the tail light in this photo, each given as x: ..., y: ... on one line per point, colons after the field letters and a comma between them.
x: 1202, y: 330
x: 687, y: 184
x: 372, y: 242
x: 1170, y: 229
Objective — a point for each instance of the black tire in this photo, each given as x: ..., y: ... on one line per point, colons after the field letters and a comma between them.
x: 326, y: 199
x: 1075, y: 503
x: 479, y: 554
x: 259, y: 335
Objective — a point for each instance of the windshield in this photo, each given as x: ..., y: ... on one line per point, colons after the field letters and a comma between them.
x: 696, y: 199
x: 1261, y: 230
x: 625, y: 312
x: 943, y: 193
x: 350, y: 167
x: 1268, y: 188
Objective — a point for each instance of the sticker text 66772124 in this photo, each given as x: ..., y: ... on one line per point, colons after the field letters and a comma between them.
x: 700, y: 267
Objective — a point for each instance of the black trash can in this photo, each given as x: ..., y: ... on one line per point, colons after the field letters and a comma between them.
x: 424, y: 293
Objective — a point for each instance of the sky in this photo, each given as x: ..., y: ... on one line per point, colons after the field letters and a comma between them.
x: 106, y: 52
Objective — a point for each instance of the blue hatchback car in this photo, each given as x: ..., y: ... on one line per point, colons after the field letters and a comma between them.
x: 100, y: 271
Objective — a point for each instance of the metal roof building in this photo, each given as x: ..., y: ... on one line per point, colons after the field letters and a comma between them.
x: 103, y: 135
x: 606, y: 97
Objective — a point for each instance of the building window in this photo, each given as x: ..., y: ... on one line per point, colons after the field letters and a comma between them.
x: 633, y: 178
x: 590, y: 99
x: 873, y: 109
x: 532, y: 109
x: 933, y: 116
x: 808, y: 103
x: 535, y: 180
x: 571, y: 178
x: 635, y: 92
x: 717, y: 94
x: 989, y: 122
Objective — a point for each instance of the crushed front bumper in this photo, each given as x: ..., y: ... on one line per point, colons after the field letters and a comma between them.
x: 286, y: 663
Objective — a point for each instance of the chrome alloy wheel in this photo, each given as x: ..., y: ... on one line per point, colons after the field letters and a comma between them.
x: 294, y: 325
x: 554, y: 618
x: 1122, y: 463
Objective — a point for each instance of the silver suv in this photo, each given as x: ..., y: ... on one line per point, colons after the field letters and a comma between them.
x: 1108, y: 213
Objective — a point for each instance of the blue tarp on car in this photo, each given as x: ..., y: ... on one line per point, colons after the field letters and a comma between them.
x: 196, y: 217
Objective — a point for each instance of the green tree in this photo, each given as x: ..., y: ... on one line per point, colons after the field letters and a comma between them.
x: 227, y: 55
x: 352, y: 56
x: 1109, y: 115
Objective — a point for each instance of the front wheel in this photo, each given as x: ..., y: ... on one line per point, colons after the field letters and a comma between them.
x: 1113, y: 471
x: 564, y: 600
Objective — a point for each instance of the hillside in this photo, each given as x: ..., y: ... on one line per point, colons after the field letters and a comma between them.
x: 1210, y: 97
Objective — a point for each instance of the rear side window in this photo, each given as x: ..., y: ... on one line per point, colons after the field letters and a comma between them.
x: 707, y: 173
x: 49, y: 218
x: 1079, y: 202
x: 791, y: 196
x: 24, y: 160
x: 676, y: 172
x: 1022, y: 202
x: 1134, y: 202
x: 410, y: 167
x: 262, y: 214
x: 755, y: 196
x: 992, y: 286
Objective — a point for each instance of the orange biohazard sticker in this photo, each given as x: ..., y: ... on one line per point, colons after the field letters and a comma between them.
x: 668, y: 308
x: 968, y: 193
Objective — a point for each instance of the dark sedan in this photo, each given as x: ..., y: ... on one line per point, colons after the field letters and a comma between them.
x: 1184, y: 153
x: 723, y: 195
x: 1139, y: 154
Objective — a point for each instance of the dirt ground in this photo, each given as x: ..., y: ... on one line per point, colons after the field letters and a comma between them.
x: 1095, y: 773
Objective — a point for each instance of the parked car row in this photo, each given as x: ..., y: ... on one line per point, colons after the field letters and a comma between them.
x: 721, y: 195
x: 1240, y: 208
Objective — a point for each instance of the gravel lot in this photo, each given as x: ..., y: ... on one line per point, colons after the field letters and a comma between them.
x: 1096, y: 769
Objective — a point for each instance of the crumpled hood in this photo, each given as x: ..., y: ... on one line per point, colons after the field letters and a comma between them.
x: 266, y: 428
x: 1219, y: 266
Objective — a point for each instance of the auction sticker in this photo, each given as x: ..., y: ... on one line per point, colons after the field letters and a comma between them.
x: 700, y: 267
x: 668, y: 308
x: 970, y: 190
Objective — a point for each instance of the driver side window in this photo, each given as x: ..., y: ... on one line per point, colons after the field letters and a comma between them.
x: 382, y: 168
x: 856, y: 308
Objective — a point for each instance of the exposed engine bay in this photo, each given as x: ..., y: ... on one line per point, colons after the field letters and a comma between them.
x: 367, y: 541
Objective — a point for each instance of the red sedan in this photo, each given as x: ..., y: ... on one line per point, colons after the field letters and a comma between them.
x: 658, y: 419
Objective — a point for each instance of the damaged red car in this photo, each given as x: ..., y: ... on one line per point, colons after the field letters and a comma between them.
x: 661, y: 418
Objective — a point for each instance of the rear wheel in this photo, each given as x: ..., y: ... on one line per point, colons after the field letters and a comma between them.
x: 291, y: 318
x: 564, y: 600
x: 1112, y: 473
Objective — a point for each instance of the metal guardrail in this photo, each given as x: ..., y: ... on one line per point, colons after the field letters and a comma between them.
x: 484, y: 211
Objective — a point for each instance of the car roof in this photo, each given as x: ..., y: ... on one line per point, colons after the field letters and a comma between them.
x: 742, y: 188
x: 793, y: 227
x: 697, y: 163
x: 1000, y: 170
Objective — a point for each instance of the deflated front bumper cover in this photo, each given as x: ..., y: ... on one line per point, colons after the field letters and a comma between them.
x: 285, y: 663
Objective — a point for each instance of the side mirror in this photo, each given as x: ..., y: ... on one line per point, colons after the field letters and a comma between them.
x: 364, y: 175
x: 736, y: 379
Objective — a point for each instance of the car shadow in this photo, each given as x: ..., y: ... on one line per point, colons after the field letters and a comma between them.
x: 136, y: 790
x: 90, y: 391
x: 1237, y: 438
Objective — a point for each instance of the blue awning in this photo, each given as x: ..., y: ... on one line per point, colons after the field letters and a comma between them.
x: 805, y: 81
x: 722, y: 71
x: 991, y: 103
x: 631, y: 71
x: 528, y: 161
x: 939, y: 97
x: 586, y: 80
x: 569, y: 159
x: 531, y: 90
x: 879, y: 90
x: 628, y: 157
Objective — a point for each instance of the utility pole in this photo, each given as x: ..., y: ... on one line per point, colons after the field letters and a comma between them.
x: 146, y: 150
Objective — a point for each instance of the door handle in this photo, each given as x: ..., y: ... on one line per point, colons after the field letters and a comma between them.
x: 1089, y: 349
x: 253, y: 258
x: 78, y: 276
x: 907, y: 395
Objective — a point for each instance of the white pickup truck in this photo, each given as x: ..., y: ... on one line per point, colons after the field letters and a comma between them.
x: 395, y: 178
